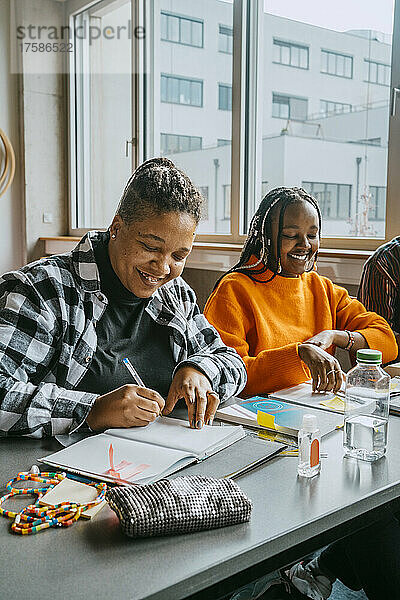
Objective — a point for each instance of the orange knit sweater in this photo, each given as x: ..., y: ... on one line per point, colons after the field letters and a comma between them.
x: 266, y: 322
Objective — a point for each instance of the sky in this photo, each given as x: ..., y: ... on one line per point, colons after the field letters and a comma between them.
x: 339, y: 15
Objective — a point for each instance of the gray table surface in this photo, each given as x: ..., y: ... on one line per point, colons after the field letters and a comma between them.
x: 95, y: 560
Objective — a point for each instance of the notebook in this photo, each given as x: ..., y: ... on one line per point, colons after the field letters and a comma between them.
x: 143, y: 454
x: 276, y: 415
x: 303, y: 395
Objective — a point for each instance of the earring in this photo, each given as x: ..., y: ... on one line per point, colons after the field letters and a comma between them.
x: 113, y: 236
x: 279, y: 269
x: 311, y: 264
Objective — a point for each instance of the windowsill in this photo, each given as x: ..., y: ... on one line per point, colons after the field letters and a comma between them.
x: 342, y: 266
x: 69, y: 241
x: 275, y: 62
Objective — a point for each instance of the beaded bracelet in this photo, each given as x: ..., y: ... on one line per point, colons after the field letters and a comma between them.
x: 35, y: 518
x: 351, y: 341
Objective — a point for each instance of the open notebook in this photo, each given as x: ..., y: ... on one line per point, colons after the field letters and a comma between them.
x: 143, y: 454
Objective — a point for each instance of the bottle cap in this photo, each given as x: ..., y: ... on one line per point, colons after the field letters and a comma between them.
x: 309, y: 423
x: 367, y: 355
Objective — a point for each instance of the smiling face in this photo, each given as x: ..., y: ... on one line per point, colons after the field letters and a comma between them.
x: 299, y: 239
x: 147, y: 254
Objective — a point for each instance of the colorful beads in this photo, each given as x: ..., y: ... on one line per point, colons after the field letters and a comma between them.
x: 35, y: 518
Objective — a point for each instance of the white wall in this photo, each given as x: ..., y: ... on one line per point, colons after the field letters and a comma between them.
x: 44, y: 131
x: 11, y: 221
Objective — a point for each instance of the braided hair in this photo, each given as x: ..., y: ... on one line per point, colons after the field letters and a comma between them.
x: 157, y: 186
x: 258, y: 240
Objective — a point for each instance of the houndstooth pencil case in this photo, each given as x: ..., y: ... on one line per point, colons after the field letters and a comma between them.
x: 180, y: 505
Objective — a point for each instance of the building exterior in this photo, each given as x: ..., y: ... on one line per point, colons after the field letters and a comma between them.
x: 325, y: 111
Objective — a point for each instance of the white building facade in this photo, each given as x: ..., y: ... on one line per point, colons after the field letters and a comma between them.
x: 325, y: 112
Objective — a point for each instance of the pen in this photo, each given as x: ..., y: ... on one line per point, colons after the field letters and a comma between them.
x: 133, y: 371
x: 254, y: 464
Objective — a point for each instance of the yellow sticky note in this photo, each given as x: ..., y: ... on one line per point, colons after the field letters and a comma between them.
x: 265, y: 420
x: 334, y: 403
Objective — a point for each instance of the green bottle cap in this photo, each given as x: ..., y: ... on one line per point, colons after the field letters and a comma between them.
x: 367, y: 355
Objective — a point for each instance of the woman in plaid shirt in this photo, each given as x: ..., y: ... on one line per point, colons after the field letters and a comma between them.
x: 66, y: 323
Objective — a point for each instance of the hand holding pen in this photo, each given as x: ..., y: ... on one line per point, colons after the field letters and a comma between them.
x: 130, y: 405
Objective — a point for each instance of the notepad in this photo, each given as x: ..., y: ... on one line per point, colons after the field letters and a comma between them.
x: 276, y: 415
x: 143, y: 454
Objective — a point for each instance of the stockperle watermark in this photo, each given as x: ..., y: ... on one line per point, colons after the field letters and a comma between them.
x: 43, y: 43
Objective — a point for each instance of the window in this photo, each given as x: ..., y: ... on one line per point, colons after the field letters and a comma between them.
x: 334, y: 198
x: 225, y: 39
x: 376, y: 72
x: 181, y: 30
x: 289, y: 107
x: 337, y: 64
x: 99, y: 164
x: 224, y: 96
x: 377, y: 201
x: 227, y: 202
x: 171, y: 143
x: 290, y: 54
x: 203, y: 189
x: 271, y: 124
x: 179, y: 90
x: 328, y: 107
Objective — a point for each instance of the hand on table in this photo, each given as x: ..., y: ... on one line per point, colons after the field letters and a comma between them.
x: 325, y: 370
x: 127, y: 406
x: 195, y: 388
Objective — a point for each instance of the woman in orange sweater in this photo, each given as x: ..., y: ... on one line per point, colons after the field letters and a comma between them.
x: 285, y: 321
x: 283, y: 318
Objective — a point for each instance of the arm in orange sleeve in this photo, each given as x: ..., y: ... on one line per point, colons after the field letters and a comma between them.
x: 352, y: 315
x: 271, y: 369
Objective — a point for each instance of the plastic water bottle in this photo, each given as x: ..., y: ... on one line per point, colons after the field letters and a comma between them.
x: 309, y: 447
x: 366, y: 407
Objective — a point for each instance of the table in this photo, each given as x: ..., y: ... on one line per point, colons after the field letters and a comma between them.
x: 290, y: 517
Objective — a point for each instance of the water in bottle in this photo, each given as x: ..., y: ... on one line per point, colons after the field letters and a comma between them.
x: 366, y: 407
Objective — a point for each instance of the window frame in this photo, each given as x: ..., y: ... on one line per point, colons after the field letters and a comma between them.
x: 306, y: 184
x: 380, y: 188
x: 179, y: 135
x: 289, y: 97
x: 288, y: 44
x: 335, y: 112
x: 226, y: 86
x: 182, y: 18
x: 246, y: 117
x: 337, y: 54
x: 226, y: 35
x: 187, y: 80
x: 377, y: 63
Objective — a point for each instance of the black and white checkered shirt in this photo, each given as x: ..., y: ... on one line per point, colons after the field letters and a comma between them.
x: 48, y: 315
